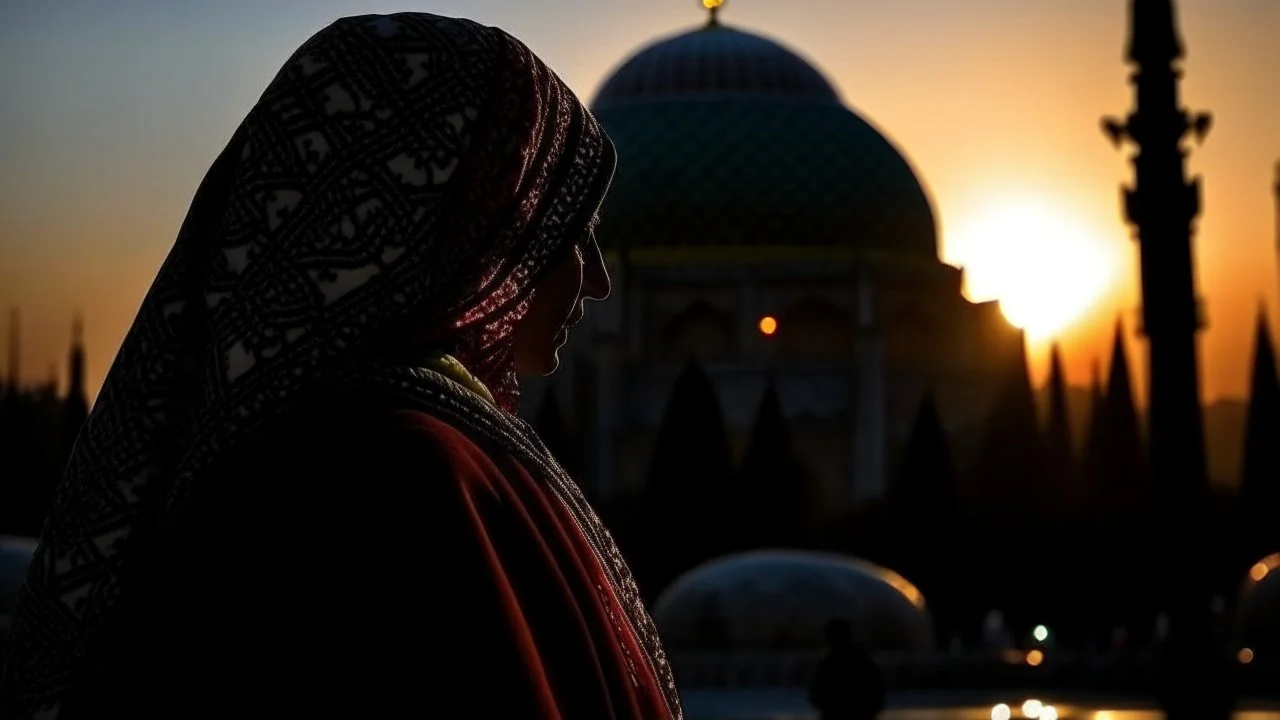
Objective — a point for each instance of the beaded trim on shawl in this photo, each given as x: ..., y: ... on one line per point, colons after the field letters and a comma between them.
x: 445, y: 398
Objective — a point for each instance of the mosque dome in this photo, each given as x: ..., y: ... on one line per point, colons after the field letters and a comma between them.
x: 728, y: 138
x: 715, y: 60
x: 15, y: 556
x: 781, y: 600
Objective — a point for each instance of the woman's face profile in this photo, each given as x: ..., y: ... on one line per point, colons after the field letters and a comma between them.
x: 558, y: 304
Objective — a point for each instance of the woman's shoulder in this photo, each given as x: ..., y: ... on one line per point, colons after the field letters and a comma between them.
x: 352, y: 456
x: 381, y: 434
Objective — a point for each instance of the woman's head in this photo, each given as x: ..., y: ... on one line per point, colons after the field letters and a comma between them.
x: 400, y: 172
x: 519, y: 173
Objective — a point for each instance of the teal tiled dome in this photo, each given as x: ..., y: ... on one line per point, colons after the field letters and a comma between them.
x: 728, y: 139
x: 715, y: 60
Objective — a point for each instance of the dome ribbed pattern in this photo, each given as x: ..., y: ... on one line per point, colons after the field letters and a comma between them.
x: 737, y: 172
x: 726, y: 138
x: 715, y: 60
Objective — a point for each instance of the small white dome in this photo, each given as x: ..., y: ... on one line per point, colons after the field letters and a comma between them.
x: 783, y: 599
x: 1259, y: 610
x: 15, y: 556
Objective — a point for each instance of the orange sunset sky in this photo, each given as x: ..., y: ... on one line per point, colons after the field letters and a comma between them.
x: 112, y: 112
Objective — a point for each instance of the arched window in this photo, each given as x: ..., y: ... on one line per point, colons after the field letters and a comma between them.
x: 816, y: 331
x: 700, y: 332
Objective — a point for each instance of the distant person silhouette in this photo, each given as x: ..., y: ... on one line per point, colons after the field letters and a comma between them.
x: 847, y: 684
x: 995, y: 635
x: 303, y: 490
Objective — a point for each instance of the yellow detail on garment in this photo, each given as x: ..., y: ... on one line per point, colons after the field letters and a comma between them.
x: 450, y: 367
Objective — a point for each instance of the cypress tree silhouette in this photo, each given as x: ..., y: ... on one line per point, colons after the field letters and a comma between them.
x: 1120, y: 505
x: 923, y: 502
x: 1093, y: 562
x: 779, y: 498
x: 925, y: 488
x: 1260, y: 473
x: 1091, y: 460
x: 688, y: 485
x: 1010, y: 482
x: 553, y: 429
x: 1010, y: 470
x: 1123, y: 477
x: 1059, y: 452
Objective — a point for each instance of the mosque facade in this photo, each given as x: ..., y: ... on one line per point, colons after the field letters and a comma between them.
x: 761, y: 227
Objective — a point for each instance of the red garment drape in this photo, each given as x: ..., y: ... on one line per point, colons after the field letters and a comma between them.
x: 371, y: 561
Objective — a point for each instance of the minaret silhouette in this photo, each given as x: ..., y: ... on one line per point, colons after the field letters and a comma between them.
x: 15, y: 353
x: 75, y: 406
x: 75, y: 364
x: 1162, y: 206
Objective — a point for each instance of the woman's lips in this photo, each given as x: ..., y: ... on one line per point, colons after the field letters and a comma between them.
x: 573, y: 321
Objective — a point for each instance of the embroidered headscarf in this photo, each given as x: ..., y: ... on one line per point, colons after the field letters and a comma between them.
x: 399, y: 167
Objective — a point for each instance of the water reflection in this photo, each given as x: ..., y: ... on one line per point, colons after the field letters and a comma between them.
x: 777, y: 703
x: 1063, y: 712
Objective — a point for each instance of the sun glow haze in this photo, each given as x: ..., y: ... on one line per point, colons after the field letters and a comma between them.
x: 1044, y: 267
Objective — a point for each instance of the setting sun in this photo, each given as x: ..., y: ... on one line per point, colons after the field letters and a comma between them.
x: 1046, y: 269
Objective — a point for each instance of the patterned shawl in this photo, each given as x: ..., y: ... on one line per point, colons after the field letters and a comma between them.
x: 401, y: 169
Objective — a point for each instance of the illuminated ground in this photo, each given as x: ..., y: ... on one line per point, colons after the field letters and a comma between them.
x: 789, y: 704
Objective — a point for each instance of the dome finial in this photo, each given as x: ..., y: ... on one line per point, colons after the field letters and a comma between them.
x: 713, y: 7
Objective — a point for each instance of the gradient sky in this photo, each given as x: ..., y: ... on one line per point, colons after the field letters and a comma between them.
x: 112, y: 112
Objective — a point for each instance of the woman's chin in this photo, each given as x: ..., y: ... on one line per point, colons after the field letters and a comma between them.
x: 551, y: 364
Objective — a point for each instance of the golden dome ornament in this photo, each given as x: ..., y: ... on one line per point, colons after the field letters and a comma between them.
x: 713, y: 7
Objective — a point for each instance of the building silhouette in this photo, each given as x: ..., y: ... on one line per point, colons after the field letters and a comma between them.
x: 766, y: 230
x: 38, y: 428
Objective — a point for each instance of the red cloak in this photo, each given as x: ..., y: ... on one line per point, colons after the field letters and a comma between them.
x: 370, y: 562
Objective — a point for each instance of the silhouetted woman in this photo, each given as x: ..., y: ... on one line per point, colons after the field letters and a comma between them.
x: 302, y: 491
